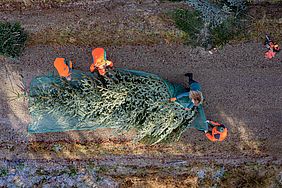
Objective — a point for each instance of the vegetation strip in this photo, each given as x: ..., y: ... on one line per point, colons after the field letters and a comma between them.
x: 12, y: 39
x: 77, y: 173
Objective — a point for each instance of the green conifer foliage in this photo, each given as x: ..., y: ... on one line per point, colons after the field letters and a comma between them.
x: 120, y: 100
x: 12, y: 39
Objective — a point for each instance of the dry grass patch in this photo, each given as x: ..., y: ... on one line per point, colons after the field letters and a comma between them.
x: 88, y: 150
x: 100, y: 37
x: 260, y: 27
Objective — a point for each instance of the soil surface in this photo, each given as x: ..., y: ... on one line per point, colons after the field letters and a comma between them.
x: 241, y: 87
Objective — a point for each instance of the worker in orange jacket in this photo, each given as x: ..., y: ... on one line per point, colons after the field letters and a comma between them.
x: 99, y: 61
x: 218, y: 132
x: 63, y: 67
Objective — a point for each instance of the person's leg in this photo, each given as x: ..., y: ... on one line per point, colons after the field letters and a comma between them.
x: 189, y: 75
x: 190, y: 78
x: 111, y: 64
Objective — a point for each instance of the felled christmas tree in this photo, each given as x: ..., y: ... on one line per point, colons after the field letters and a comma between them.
x: 123, y: 100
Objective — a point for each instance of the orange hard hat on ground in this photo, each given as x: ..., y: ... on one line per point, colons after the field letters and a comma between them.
x: 218, y: 133
x: 92, y: 67
x: 221, y: 132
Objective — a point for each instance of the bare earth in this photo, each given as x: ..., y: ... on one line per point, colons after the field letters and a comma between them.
x: 242, y: 90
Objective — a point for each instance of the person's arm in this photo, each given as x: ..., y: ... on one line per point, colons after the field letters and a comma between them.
x: 110, y: 64
x: 92, y: 67
x: 185, y: 94
x: 70, y: 65
x: 190, y: 105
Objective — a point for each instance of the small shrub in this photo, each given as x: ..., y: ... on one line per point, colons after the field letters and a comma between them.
x: 57, y: 148
x: 213, y: 23
x: 12, y: 39
x: 238, y: 7
x: 3, y: 172
x: 20, y: 166
x: 190, y: 22
x: 225, y: 32
x: 211, y: 13
x: 72, y: 171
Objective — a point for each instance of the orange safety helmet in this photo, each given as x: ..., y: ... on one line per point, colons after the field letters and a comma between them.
x: 218, y: 133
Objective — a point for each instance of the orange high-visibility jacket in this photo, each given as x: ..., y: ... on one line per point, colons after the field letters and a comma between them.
x: 63, y: 69
x: 216, y: 135
x: 269, y: 54
x: 99, y: 61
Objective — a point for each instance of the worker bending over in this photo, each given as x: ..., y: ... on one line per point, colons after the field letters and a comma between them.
x: 271, y: 46
x: 218, y: 131
x: 63, y: 67
x: 100, y: 62
x: 195, y: 94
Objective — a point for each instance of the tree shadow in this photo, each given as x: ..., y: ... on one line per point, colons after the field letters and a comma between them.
x: 12, y: 114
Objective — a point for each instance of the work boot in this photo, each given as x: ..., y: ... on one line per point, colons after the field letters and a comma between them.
x: 189, y: 75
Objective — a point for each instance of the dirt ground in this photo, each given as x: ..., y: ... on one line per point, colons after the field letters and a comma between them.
x: 242, y: 88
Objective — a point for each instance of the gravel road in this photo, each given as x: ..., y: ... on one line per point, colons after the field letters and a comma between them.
x: 242, y: 89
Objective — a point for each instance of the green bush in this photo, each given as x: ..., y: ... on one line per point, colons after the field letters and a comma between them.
x: 3, y: 172
x: 190, y: 22
x: 225, y: 32
x: 12, y: 39
x: 200, y: 34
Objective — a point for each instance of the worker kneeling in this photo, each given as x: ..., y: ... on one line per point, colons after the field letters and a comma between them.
x: 63, y: 67
x: 218, y: 131
x: 100, y: 62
